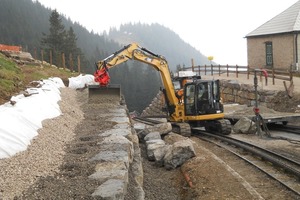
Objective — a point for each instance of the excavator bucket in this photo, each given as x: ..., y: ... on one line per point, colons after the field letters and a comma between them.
x: 102, y: 94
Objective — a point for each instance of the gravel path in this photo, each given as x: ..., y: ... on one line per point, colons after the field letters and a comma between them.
x: 21, y: 171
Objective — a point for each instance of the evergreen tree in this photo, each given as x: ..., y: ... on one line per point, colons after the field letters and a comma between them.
x: 70, y: 48
x: 61, y: 41
x: 70, y: 42
x: 55, y: 41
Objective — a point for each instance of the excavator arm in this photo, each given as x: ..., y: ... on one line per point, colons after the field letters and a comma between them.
x: 101, y: 74
x: 135, y: 52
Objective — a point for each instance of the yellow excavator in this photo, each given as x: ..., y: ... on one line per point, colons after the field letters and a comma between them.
x: 198, y: 105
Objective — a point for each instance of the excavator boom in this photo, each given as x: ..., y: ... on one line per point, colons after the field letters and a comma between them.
x: 135, y: 52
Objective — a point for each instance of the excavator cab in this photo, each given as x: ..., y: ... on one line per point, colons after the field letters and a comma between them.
x: 202, y: 97
x: 180, y: 79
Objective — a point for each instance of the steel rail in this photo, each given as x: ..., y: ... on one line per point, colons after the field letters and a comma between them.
x: 276, y: 159
x: 146, y: 120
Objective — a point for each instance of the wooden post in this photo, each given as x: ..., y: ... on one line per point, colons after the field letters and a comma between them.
x: 237, y: 71
x: 199, y: 68
x: 205, y: 69
x: 291, y: 75
x: 35, y: 57
x: 71, y: 62
x: 248, y: 72
x: 78, y: 62
x: 42, y: 55
x: 211, y: 69
x: 63, y: 60
x: 192, y: 64
x: 51, y: 57
x: 219, y: 70
x: 227, y: 71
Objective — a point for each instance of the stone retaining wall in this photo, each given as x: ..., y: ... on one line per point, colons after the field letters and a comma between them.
x: 118, y: 161
x: 235, y: 92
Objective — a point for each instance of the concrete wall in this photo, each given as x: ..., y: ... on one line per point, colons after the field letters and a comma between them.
x: 283, y: 51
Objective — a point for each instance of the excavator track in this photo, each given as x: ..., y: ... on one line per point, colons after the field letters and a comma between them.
x: 221, y: 126
x: 183, y: 129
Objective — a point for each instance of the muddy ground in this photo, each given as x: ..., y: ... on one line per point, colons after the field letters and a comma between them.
x: 56, y: 166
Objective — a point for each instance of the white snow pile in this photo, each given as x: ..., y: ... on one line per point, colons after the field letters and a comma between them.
x: 22, y: 116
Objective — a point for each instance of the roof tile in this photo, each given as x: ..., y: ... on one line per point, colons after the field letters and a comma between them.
x: 287, y: 21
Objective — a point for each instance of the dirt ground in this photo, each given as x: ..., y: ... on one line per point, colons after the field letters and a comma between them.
x: 55, y: 166
x: 216, y: 174
x: 283, y: 103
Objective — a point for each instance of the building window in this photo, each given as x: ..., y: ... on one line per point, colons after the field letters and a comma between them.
x: 269, y: 54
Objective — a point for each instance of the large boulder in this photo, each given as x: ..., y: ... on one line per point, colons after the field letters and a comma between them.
x: 159, y: 154
x: 178, y: 153
x: 152, y: 145
x: 152, y: 136
x: 162, y: 128
x: 245, y: 126
x: 171, y: 138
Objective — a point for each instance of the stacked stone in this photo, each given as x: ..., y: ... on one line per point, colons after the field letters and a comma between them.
x: 234, y: 92
x: 156, y: 107
x: 119, y: 154
x: 170, y: 154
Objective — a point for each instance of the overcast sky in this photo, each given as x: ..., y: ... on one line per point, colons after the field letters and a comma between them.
x: 214, y: 27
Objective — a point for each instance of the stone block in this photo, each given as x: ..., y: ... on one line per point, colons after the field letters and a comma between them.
x: 113, y: 189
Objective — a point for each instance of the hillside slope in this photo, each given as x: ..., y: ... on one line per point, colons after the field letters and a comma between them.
x: 15, y: 78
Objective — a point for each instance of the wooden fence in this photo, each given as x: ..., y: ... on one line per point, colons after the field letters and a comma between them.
x: 62, y: 58
x: 236, y: 70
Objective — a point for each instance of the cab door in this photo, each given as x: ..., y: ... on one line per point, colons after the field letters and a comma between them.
x: 203, y: 98
x: 208, y: 97
x: 189, y: 99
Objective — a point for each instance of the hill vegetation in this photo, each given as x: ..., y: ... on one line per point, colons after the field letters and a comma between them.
x: 16, y: 78
x: 26, y: 23
x: 161, y: 40
x: 23, y: 22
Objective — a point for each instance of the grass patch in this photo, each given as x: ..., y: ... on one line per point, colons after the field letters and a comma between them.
x: 14, y: 78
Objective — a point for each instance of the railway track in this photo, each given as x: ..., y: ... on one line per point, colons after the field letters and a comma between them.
x: 147, y: 121
x: 280, y: 168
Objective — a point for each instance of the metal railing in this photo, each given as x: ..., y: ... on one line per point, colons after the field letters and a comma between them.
x: 286, y: 75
